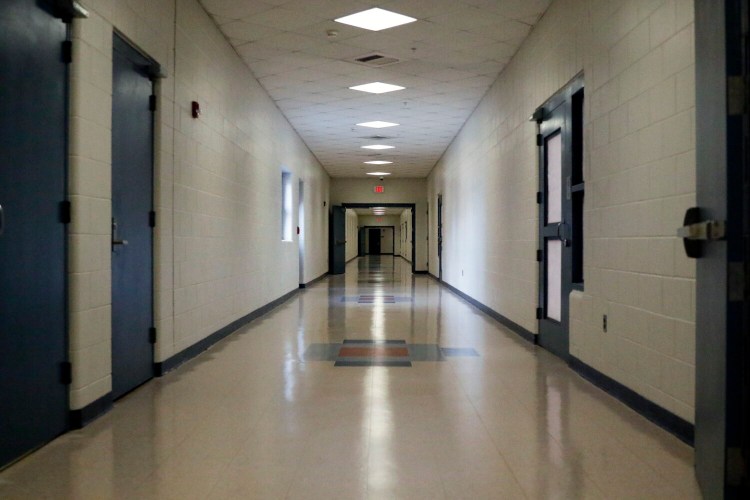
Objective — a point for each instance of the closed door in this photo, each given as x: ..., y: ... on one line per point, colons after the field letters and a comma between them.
x: 374, y: 241
x: 362, y: 240
x: 132, y: 173
x: 338, y: 240
x: 560, y: 234
x: 722, y: 250
x: 440, y: 236
x: 33, y: 347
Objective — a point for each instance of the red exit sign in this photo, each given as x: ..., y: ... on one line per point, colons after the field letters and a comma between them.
x: 380, y: 189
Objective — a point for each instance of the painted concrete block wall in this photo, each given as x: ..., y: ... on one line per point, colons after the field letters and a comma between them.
x: 229, y: 255
x: 406, y: 245
x: 352, y: 234
x: 218, y: 250
x: 346, y: 190
x: 638, y: 63
x: 90, y: 184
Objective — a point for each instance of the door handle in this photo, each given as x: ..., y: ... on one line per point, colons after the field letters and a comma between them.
x: 115, y: 241
x: 562, y: 229
x: 697, y: 231
x: 2, y: 221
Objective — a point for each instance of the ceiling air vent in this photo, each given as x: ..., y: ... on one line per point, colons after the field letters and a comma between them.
x: 377, y: 60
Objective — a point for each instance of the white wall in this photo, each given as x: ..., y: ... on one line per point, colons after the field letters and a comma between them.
x: 639, y: 168
x: 406, y: 244
x: 218, y: 248
x: 352, y: 235
x: 344, y: 190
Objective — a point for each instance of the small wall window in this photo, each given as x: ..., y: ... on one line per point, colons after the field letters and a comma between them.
x: 286, y: 206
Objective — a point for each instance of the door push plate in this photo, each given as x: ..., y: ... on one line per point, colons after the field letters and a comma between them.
x: 696, y: 232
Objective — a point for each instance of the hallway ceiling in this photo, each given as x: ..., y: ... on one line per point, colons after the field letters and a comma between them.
x: 447, y: 60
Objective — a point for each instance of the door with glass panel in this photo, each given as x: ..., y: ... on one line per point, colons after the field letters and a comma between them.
x: 561, y: 211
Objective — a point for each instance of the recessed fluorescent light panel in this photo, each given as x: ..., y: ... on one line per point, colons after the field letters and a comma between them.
x: 377, y: 124
x: 376, y: 19
x: 378, y: 146
x: 378, y: 162
x: 378, y: 173
x: 377, y: 88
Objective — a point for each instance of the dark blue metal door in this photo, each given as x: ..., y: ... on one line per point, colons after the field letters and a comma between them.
x: 132, y: 181
x: 338, y: 240
x: 33, y: 80
x: 722, y: 381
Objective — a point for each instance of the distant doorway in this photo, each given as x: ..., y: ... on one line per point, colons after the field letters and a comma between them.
x: 373, y: 243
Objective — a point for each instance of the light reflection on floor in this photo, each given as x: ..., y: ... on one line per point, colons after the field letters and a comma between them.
x: 253, y: 418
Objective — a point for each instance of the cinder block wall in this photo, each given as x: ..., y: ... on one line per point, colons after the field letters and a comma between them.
x: 638, y: 63
x: 218, y: 248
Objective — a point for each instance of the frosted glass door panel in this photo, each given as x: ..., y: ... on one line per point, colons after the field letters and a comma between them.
x: 554, y: 284
x: 554, y: 178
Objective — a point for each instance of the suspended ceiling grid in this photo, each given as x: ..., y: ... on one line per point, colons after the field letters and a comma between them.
x: 448, y: 59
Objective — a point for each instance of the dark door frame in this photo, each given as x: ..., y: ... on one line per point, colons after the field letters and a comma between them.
x: 152, y: 70
x: 393, y: 243
x: 556, y: 117
x: 412, y: 206
x: 722, y: 385
x: 440, y: 236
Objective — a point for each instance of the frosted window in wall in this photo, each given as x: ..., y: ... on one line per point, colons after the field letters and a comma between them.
x: 554, y: 178
x: 286, y: 206
x: 554, y: 283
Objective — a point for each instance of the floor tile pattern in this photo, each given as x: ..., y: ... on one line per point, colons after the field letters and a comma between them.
x: 256, y: 417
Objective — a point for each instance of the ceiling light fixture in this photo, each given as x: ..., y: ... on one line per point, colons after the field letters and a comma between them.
x: 378, y: 162
x: 375, y: 19
x: 377, y: 87
x: 378, y: 146
x: 377, y: 124
x: 378, y: 173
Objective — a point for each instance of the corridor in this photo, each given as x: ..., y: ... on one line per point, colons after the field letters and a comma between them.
x: 442, y: 402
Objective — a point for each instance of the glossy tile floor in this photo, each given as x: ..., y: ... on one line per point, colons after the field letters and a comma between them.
x: 255, y: 418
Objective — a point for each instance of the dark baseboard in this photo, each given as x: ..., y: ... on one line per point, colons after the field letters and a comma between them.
x: 312, y: 282
x: 78, y: 419
x: 682, y: 429
x: 419, y: 272
x: 510, y: 324
x: 665, y: 419
x: 170, y: 364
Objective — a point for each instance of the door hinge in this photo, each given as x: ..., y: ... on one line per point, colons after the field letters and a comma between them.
x: 538, y: 197
x: 67, y: 51
x: 539, y: 140
x: 736, y: 281
x: 539, y: 313
x: 538, y: 255
x: 735, y: 465
x: 152, y: 218
x: 152, y: 335
x: 65, y: 212
x: 736, y: 95
x: 152, y: 102
x: 66, y: 373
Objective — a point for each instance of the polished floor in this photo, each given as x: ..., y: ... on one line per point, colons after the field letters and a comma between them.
x: 271, y: 413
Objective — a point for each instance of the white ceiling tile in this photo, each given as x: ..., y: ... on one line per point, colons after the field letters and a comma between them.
x: 283, y: 18
x: 246, y: 32
x: 447, y: 63
x: 231, y: 9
